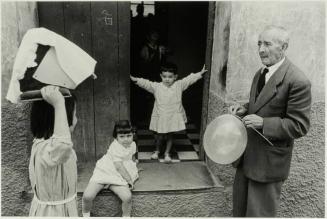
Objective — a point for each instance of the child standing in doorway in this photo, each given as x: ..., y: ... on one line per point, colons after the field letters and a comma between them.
x: 116, y: 170
x: 168, y: 114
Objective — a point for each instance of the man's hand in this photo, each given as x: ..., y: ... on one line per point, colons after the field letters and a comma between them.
x: 237, y: 110
x: 134, y: 79
x: 253, y: 121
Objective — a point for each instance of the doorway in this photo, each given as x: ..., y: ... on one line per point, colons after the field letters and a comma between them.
x: 181, y: 29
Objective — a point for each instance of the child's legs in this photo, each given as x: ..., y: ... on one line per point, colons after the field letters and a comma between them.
x: 159, y: 138
x: 89, y: 194
x: 169, y: 142
x: 125, y: 195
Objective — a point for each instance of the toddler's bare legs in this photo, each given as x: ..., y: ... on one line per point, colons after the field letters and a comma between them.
x: 125, y: 194
x: 169, y: 144
x: 89, y: 194
x: 158, y: 141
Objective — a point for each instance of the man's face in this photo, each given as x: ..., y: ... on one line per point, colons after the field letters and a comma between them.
x: 270, y: 50
x: 154, y: 37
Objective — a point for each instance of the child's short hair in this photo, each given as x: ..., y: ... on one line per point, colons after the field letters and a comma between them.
x: 122, y: 127
x: 42, y: 117
x: 168, y: 66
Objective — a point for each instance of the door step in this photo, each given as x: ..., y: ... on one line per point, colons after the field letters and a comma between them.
x: 184, y: 203
x: 186, y: 189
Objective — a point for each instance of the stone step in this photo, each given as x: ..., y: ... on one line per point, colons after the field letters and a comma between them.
x: 182, y: 203
x: 186, y: 189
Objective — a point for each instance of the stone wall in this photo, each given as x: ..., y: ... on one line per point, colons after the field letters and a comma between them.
x: 234, y: 62
x: 16, y: 18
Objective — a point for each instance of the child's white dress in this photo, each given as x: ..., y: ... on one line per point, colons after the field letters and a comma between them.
x: 105, y: 171
x: 168, y: 114
x: 53, y: 176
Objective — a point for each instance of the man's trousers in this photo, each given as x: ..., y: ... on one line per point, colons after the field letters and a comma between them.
x: 255, y: 199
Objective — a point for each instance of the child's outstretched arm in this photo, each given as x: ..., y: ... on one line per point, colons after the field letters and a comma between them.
x: 144, y: 83
x: 203, y: 70
x: 192, y: 78
x: 134, y: 79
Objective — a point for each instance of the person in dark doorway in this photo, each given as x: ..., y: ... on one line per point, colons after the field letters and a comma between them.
x: 151, y: 22
x: 279, y: 107
x: 138, y: 31
x: 150, y: 58
x: 168, y: 115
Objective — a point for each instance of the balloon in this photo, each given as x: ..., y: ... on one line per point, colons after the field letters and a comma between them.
x: 225, y: 139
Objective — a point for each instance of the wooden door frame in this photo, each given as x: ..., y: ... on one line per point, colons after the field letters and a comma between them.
x: 206, y: 82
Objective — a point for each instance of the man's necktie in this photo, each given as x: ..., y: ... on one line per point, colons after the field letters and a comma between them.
x: 262, y: 80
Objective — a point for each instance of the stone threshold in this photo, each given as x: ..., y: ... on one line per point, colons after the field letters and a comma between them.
x: 161, y: 177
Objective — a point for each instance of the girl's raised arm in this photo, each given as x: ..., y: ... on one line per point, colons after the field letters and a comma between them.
x: 60, y: 145
x: 52, y: 95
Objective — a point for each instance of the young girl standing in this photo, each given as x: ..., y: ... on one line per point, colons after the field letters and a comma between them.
x: 52, y: 167
x: 116, y: 170
x: 168, y: 114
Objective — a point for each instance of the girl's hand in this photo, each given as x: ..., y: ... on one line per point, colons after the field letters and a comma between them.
x: 133, y: 78
x: 204, y: 70
x: 52, y: 95
x: 130, y: 186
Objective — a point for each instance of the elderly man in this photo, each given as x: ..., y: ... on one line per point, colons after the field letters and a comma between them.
x: 279, y: 107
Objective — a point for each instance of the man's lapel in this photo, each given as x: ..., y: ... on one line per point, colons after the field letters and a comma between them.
x: 269, y: 90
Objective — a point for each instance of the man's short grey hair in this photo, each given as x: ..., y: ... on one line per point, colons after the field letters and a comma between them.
x: 280, y: 33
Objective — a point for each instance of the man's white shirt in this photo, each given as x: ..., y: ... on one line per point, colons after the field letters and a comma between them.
x: 272, y: 69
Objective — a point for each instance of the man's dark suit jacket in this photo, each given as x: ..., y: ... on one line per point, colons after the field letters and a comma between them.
x: 284, y: 104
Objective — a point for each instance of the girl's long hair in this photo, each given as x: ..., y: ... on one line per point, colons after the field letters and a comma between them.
x: 42, y: 117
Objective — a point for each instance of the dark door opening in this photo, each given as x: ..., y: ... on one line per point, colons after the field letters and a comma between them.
x: 181, y: 29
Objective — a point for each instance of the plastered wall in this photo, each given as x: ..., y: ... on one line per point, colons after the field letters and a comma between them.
x: 16, y: 18
x: 234, y: 63
x: 305, y: 22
